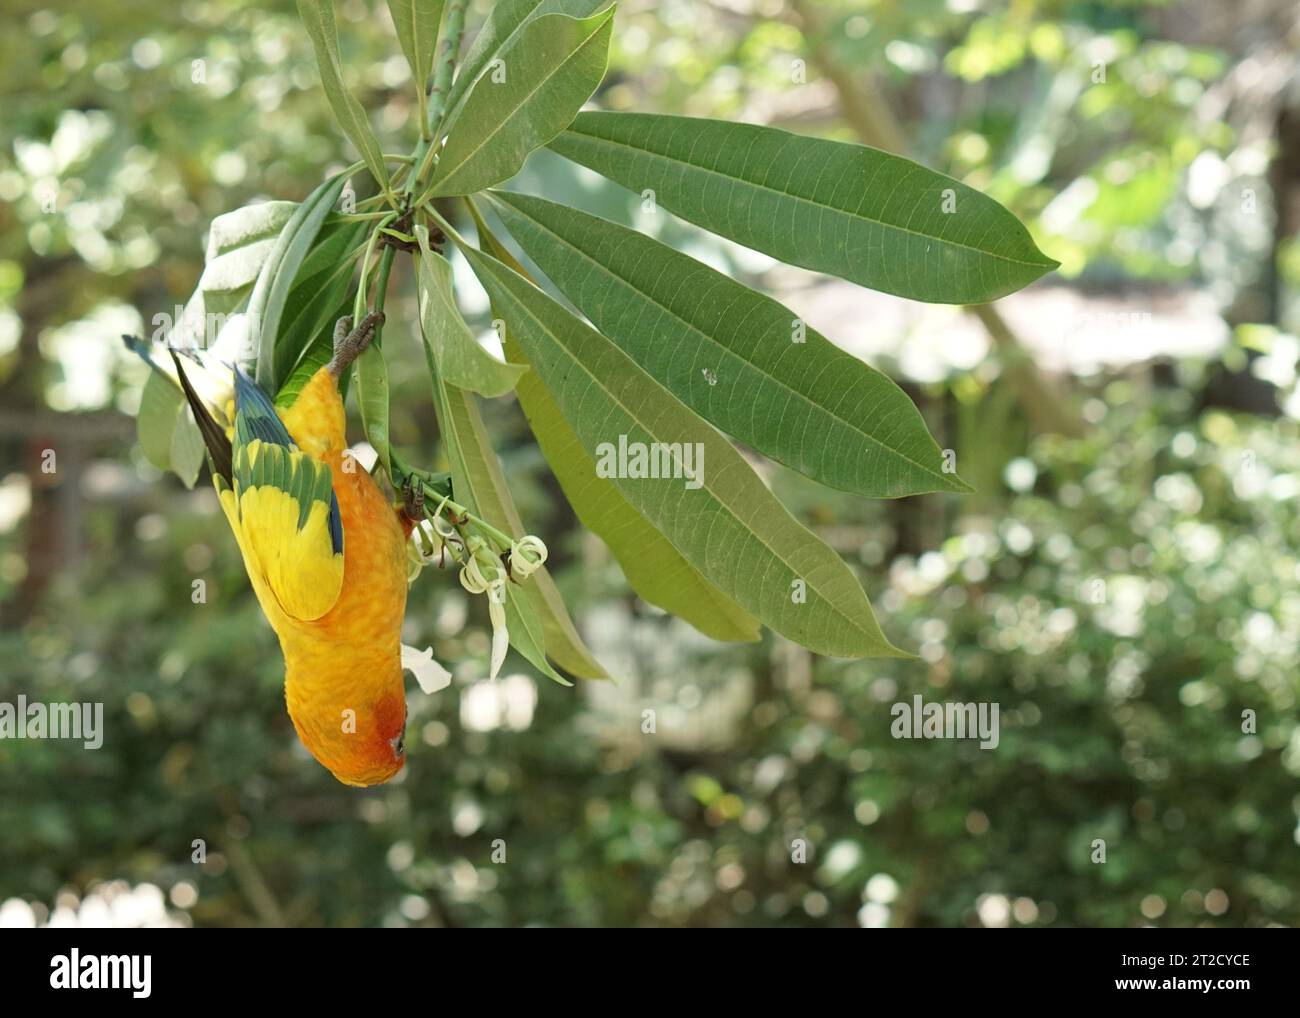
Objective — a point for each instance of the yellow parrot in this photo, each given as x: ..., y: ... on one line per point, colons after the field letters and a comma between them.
x: 325, y: 550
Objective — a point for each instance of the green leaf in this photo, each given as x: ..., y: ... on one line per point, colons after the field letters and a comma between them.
x: 491, y: 494
x: 652, y: 566
x: 335, y: 302
x: 717, y: 513
x: 560, y: 637
x: 234, y: 231
x: 524, y: 101
x: 459, y: 358
x: 527, y: 634
x: 737, y: 358
x: 160, y: 405
x: 868, y: 216
x: 371, y: 371
x: 187, y: 449
x: 313, y: 359
x: 480, y: 487
x: 318, y: 298
x: 318, y: 17
x: 168, y: 436
x: 239, y: 243
x: 501, y: 31
x: 416, y: 22
x: 274, y: 282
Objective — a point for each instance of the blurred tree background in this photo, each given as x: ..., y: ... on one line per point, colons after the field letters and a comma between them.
x: 1125, y: 585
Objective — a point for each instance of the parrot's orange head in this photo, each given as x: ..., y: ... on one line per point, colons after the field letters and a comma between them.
x: 365, y: 748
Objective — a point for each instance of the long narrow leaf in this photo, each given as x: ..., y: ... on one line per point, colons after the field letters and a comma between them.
x: 711, y: 505
x: 542, y: 83
x: 474, y: 482
x: 318, y: 292
x: 416, y: 22
x: 856, y: 212
x: 371, y: 373
x: 495, y: 504
x: 187, y: 451
x: 652, y: 566
x: 461, y: 361
x: 239, y: 244
x: 160, y: 406
x: 266, y: 305
x: 318, y: 17
x: 737, y: 358
x: 561, y: 641
x: 501, y: 31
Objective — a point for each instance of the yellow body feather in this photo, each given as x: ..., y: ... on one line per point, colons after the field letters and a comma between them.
x: 338, y: 616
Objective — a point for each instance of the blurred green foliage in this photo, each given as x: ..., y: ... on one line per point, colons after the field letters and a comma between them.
x: 1124, y: 609
x: 1123, y: 596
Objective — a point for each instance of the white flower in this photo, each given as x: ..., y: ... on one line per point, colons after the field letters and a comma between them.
x: 500, y: 635
x: 526, y: 557
x: 484, y: 574
x: 428, y: 673
x: 474, y: 578
x: 425, y: 546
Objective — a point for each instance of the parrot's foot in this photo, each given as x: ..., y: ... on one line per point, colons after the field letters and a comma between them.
x: 350, y: 343
x: 413, y: 500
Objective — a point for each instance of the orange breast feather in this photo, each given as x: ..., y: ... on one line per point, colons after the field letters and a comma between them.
x: 343, y: 673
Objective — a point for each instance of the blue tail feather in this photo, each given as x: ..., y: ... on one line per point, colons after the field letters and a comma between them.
x: 255, y: 413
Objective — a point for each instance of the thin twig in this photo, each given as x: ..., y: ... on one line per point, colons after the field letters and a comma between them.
x: 427, y: 153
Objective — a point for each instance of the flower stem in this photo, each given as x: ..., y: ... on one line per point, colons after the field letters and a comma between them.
x: 359, y: 304
x: 422, y: 159
x: 441, y: 492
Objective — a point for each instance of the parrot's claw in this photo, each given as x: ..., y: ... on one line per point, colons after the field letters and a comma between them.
x: 350, y: 343
x: 341, y: 328
x: 413, y: 500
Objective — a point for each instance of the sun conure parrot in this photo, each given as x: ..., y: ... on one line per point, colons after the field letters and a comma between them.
x: 325, y: 551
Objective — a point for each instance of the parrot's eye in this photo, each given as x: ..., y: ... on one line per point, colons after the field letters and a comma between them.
x: 398, y: 744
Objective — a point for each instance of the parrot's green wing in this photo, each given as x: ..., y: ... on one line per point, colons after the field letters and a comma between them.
x: 281, y: 504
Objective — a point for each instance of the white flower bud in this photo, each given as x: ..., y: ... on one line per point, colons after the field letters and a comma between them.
x: 500, y: 636
x: 526, y: 557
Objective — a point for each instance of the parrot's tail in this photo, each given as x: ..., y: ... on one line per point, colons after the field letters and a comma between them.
x: 217, y: 391
x: 214, y: 435
x: 211, y: 375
